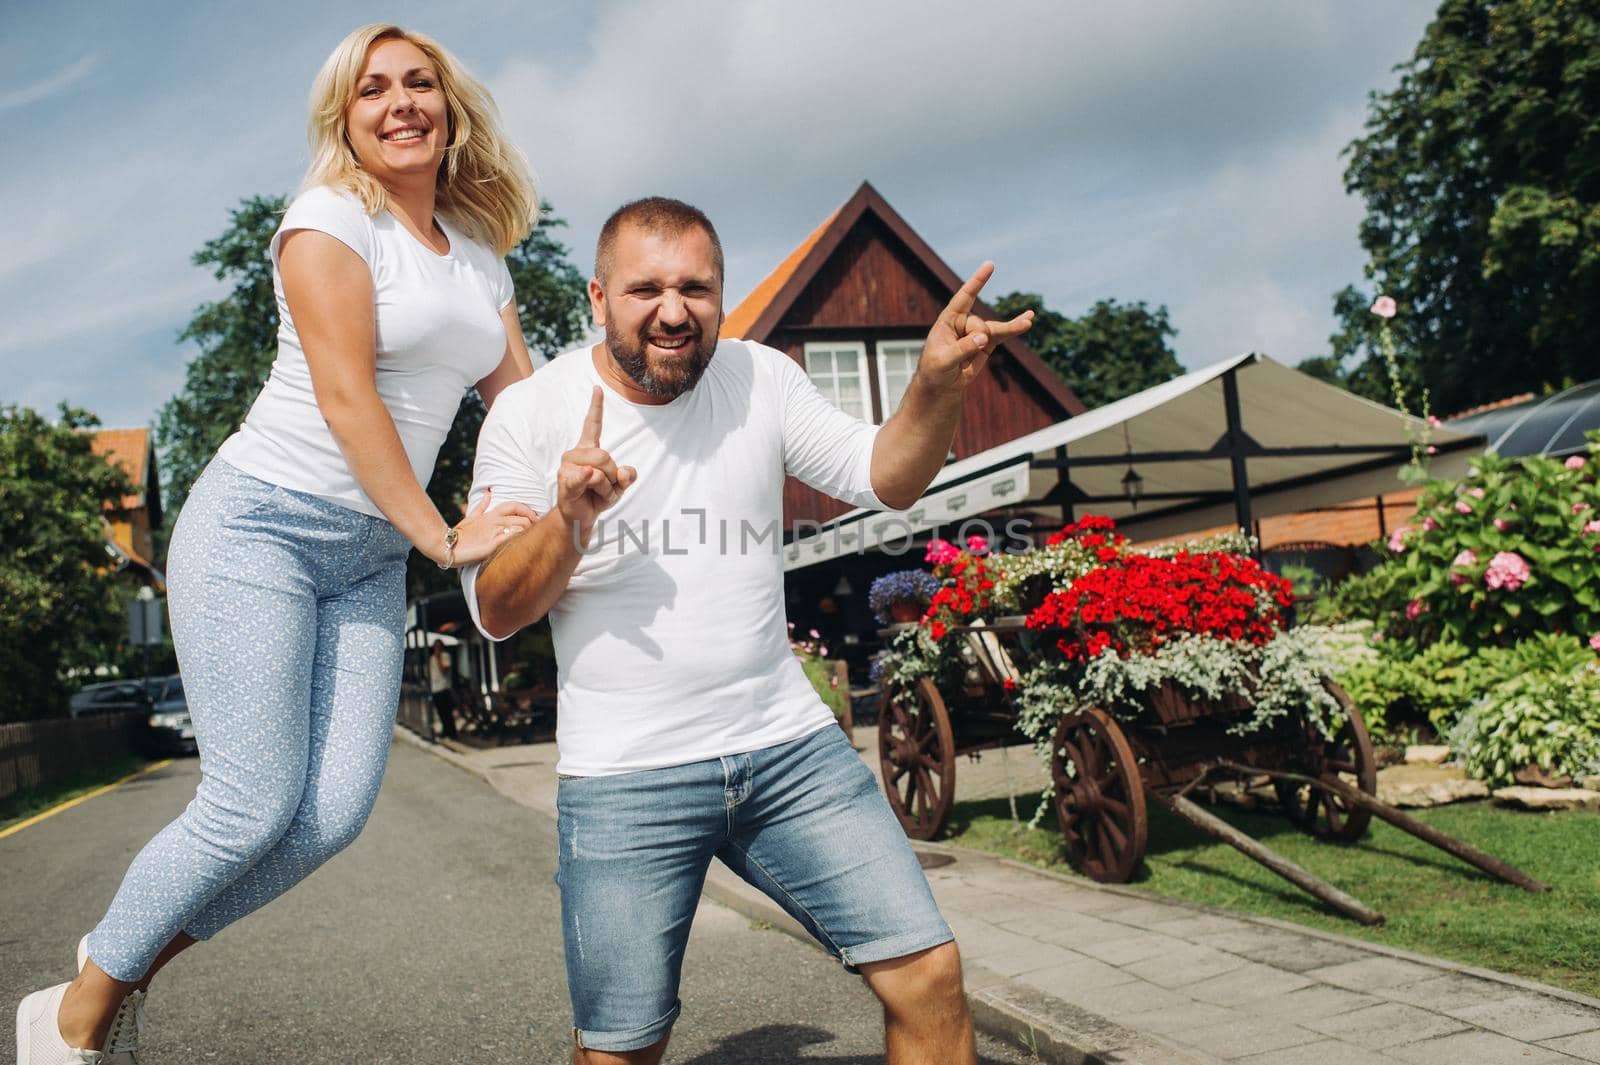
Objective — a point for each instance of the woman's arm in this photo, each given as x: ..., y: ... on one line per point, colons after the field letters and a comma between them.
x: 329, y: 291
x: 516, y: 364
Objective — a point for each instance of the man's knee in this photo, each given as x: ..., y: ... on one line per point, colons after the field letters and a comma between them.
x: 917, y: 981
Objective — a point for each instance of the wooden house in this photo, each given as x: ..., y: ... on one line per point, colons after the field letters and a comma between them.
x: 852, y: 305
x: 132, y: 520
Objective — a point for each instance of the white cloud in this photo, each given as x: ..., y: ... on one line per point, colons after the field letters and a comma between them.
x: 47, y: 87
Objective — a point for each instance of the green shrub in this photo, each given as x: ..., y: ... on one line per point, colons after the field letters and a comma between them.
x: 820, y: 672
x: 1506, y: 553
x: 1550, y: 719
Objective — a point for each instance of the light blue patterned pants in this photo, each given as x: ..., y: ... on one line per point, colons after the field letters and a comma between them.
x: 288, y: 615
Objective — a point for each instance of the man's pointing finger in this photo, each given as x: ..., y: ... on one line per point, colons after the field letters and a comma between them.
x: 590, y: 436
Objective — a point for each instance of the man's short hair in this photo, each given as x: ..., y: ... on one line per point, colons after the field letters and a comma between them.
x: 653, y: 214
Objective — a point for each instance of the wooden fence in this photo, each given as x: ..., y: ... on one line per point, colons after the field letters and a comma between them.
x: 35, y: 753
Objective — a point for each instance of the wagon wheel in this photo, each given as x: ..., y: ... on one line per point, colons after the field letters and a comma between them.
x: 1323, y: 813
x: 917, y: 752
x: 1099, y: 796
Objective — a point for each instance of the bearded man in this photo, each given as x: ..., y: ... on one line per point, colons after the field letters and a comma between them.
x: 687, y: 730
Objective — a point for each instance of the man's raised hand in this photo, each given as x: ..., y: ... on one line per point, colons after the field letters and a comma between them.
x: 959, y: 343
x: 588, y: 481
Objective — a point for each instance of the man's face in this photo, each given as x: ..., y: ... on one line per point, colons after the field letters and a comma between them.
x: 661, y: 308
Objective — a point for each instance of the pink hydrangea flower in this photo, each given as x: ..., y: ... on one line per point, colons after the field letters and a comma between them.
x: 1416, y: 608
x: 941, y: 552
x: 1428, y: 524
x: 1592, y: 527
x: 1434, y: 422
x: 1384, y: 307
x: 1463, y: 507
x: 1432, y: 450
x: 1579, y: 508
x: 1594, y: 642
x: 1507, y: 570
x: 1475, y: 493
x: 1397, y: 539
x: 1462, y: 561
x: 1501, y: 524
x: 1575, y: 462
x: 977, y: 545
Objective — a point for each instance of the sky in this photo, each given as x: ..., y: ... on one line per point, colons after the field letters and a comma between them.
x: 1180, y: 152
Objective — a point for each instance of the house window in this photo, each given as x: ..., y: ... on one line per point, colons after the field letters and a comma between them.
x: 839, y: 370
x: 897, y: 364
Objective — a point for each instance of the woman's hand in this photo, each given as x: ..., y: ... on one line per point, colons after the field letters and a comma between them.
x: 481, y: 533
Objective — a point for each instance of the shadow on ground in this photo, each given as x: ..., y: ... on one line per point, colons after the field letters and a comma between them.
x: 784, y: 1043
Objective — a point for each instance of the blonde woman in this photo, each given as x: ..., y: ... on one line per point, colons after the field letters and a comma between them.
x: 287, y: 565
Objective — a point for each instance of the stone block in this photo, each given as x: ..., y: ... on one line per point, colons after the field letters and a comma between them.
x: 1187, y: 966
x: 1310, y: 1003
x: 1387, y: 1024
x: 1531, y: 1017
x: 1427, y: 754
x: 1372, y: 973
x: 1303, y: 954
x: 1246, y: 983
x: 1132, y: 948
x: 1584, y: 1047
x: 1476, y: 1048
x: 1422, y: 785
x: 1066, y: 979
x: 1237, y: 1038
x: 1548, y: 798
x: 1447, y: 991
x: 1322, y: 1052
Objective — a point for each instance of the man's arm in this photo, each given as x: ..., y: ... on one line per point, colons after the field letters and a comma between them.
x: 523, y: 580
x: 912, y: 445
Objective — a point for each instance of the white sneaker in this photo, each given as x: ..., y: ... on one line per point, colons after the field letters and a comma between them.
x: 128, y: 1026
x: 39, y: 1039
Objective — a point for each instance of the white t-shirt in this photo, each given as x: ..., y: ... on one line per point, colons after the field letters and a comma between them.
x: 671, y: 639
x: 438, y: 330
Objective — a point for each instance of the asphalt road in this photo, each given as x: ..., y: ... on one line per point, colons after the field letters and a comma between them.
x: 435, y: 938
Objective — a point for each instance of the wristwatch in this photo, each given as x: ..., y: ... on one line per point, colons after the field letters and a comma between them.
x: 451, y: 535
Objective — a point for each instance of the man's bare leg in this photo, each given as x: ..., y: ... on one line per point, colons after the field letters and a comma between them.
x: 925, y: 1016
x: 650, y: 1055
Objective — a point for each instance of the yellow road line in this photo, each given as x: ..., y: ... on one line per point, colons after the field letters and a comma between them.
x: 70, y: 803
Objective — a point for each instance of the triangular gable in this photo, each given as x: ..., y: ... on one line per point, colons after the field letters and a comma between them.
x: 129, y: 450
x: 761, y: 312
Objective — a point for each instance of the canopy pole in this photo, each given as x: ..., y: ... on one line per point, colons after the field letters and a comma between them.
x: 1241, y: 477
x: 1068, y: 509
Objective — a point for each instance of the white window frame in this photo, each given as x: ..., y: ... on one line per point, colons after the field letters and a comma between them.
x: 896, y: 347
x: 829, y: 387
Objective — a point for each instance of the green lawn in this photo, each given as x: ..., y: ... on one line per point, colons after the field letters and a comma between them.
x: 29, y: 801
x: 1434, y: 903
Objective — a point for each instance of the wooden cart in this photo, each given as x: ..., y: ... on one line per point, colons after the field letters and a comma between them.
x: 1106, y: 772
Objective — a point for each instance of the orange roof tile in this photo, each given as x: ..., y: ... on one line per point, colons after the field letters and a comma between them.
x: 129, y: 449
x: 742, y: 317
x: 1483, y: 408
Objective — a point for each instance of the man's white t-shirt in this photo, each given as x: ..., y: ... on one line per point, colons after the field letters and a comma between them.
x: 671, y: 639
x: 438, y: 331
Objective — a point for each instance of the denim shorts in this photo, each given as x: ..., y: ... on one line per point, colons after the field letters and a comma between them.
x: 804, y: 821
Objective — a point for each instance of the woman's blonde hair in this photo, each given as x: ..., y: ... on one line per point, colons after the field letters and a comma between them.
x: 484, y: 183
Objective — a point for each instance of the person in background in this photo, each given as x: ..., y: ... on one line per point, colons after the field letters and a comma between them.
x: 287, y: 565
x: 444, y: 699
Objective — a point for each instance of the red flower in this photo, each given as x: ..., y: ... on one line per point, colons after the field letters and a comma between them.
x: 937, y: 630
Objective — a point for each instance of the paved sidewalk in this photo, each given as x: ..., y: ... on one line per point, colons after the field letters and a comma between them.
x: 1084, y: 972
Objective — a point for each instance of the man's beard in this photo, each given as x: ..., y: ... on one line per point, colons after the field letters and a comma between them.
x: 662, y: 378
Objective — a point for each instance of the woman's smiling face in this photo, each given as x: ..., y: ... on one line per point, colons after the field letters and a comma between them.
x: 398, y: 122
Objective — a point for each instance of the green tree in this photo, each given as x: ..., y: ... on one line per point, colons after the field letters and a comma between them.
x: 1481, y: 176
x: 1114, y: 350
x: 238, y: 340
x: 63, y: 602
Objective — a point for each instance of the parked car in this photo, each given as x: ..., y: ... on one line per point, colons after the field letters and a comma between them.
x: 171, y: 730
x: 110, y: 697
